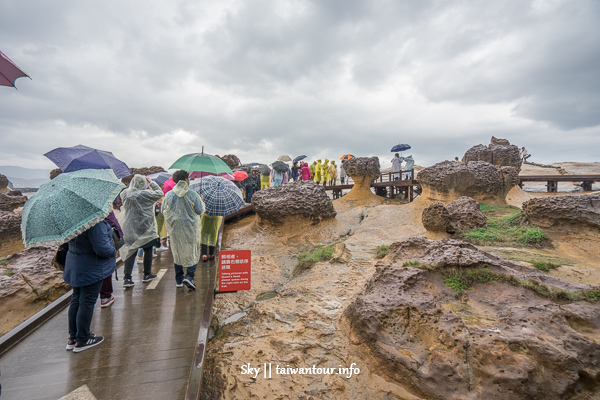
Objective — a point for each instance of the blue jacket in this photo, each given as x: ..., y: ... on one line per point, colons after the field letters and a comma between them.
x: 91, y: 256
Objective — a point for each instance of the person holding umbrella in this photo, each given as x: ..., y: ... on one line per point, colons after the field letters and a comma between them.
x: 139, y: 225
x: 397, y: 166
x: 182, y: 208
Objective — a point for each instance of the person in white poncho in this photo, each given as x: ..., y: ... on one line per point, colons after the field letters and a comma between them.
x: 139, y: 225
x: 182, y: 208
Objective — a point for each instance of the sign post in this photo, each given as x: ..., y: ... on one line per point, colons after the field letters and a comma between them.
x: 234, y: 270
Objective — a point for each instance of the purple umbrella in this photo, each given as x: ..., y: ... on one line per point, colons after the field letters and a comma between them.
x: 70, y: 159
x: 9, y: 72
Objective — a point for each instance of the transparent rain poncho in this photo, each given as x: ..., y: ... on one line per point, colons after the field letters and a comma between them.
x: 182, y: 208
x: 137, y: 215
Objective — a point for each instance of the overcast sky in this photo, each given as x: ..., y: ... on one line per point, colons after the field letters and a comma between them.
x: 153, y: 80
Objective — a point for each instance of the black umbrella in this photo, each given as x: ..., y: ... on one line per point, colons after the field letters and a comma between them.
x: 264, y: 169
x: 280, y: 166
x: 299, y: 158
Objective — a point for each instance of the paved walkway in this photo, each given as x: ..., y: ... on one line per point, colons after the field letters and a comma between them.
x: 150, y: 338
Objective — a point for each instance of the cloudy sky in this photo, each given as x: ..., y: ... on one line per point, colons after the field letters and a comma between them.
x: 153, y: 80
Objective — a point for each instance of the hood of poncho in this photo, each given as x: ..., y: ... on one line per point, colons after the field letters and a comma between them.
x: 181, y: 188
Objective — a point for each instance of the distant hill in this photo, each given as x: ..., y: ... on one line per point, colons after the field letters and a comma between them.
x: 25, y: 177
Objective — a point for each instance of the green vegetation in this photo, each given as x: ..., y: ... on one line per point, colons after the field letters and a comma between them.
x: 382, y: 251
x: 505, y: 227
x: 545, y: 266
x: 462, y: 280
x: 8, y: 272
x: 4, y: 261
x: 310, y: 256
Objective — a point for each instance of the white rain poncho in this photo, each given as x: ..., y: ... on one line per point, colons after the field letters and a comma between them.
x: 137, y: 215
x: 182, y: 208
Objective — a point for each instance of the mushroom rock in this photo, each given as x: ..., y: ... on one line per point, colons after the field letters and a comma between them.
x: 303, y: 199
x: 363, y: 171
x: 142, y: 171
x: 435, y: 217
x: 499, y: 153
x: 3, y: 183
x: 447, y: 181
x: 465, y: 214
x: 488, y: 342
x: 55, y: 172
x: 10, y: 233
x: 231, y: 160
x: 565, y: 211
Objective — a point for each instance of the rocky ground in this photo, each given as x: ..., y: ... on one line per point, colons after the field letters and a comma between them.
x: 498, y: 340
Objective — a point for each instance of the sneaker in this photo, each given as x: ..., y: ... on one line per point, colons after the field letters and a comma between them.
x: 149, y: 277
x: 71, y: 344
x: 140, y: 260
x: 162, y: 248
x: 107, y: 302
x: 127, y: 283
x: 189, y: 282
x: 91, y: 342
x: 178, y: 285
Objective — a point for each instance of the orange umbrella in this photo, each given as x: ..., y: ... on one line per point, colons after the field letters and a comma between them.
x: 347, y: 157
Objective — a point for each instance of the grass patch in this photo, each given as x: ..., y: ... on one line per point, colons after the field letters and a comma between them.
x: 8, y: 272
x: 530, y: 257
x: 544, y: 265
x: 505, y: 227
x: 4, y: 261
x: 309, y: 256
x: 382, y: 251
x: 462, y: 280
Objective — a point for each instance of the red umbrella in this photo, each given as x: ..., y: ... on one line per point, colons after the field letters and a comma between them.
x: 9, y: 71
x: 240, y: 175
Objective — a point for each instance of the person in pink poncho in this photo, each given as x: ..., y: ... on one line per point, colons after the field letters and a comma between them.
x: 305, y: 172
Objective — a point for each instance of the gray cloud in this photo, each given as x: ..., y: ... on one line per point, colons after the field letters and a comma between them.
x: 321, y: 78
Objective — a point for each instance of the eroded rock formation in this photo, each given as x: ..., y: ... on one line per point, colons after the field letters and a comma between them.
x: 55, y: 172
x: 484, y: 182
x: 10, y: 203
x: 499, y: 153
x: 10, y: 233
x: 435, y: 217
x: 303, y: 199
x: 564, y: 211
x: 231, y: 160
x: 26, y: 282
x: 494, y: 341
x: 363, y: 171
x: 142, y: 171
x: 465, y: 214
x: 3, y: 183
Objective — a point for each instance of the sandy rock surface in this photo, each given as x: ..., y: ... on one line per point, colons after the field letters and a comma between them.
x: 567, y: 211
x: 28, y: 282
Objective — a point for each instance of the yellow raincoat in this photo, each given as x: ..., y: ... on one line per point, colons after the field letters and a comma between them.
x: 325, y: 173
x: 318, y: 171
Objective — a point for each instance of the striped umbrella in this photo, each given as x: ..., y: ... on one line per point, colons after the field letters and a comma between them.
x: 220, y: 196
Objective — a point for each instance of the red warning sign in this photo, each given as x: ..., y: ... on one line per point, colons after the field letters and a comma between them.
x: 234, y: 270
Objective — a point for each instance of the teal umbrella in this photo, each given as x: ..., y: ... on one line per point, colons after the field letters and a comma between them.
x: 201, y: 164
x: 68, y: 205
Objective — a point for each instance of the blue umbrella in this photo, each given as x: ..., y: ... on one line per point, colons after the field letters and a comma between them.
x: 68, y: 205
x: 70, y: 159
x: 159, y: 177
x: 400, y: 147
x: 220, y: 196
x: 299, y: 158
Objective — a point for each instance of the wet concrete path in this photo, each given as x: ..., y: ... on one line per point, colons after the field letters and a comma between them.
x: 150, y: 337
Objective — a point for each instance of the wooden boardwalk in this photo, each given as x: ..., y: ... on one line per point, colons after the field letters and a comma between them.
x: 150, y: 340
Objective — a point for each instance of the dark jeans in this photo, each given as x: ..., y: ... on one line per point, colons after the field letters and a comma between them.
x: 147, y: 260
x: 179, y: 275
x: 81, y: 311
x: 249, y: 193
x: 106, y: 290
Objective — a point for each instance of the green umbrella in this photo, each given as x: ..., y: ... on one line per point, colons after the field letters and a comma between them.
x: 201, y: 162
x: 68, y: 205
